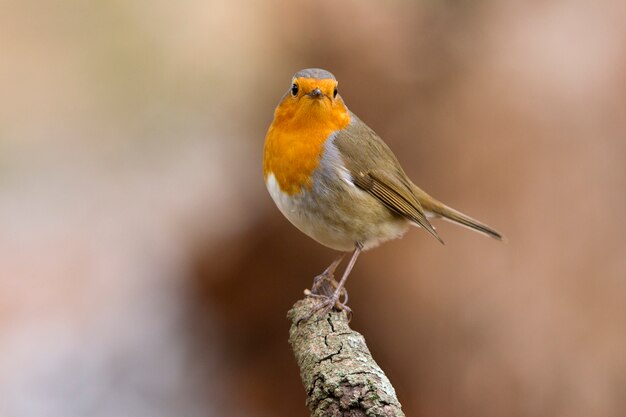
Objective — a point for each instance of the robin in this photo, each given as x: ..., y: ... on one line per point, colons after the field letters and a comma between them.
x: 337, y: 181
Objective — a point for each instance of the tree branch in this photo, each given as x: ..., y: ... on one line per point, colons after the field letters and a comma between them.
x: 339, y: 374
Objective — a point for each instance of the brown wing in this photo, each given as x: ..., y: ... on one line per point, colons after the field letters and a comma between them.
x: 375, y: 169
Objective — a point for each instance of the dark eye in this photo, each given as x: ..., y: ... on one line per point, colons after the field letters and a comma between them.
x: 335, y: 92
x: 294, y: 89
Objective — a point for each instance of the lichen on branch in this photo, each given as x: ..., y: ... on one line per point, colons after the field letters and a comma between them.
x: 337, y: 369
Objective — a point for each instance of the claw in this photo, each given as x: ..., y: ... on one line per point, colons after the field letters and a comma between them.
x: 319, y: 282
x: 327, y: 303
x: 322, y: 290
x: 323, y: 307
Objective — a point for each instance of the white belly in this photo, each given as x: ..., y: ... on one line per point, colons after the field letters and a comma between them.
x: 333, y: 226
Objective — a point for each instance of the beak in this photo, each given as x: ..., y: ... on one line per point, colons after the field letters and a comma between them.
x: 317, y: 93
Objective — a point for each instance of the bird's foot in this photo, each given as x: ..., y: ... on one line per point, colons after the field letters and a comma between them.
x: 321, y: 282
x: 337, y: 299
x: 323, y: 285
x: 329, y: 292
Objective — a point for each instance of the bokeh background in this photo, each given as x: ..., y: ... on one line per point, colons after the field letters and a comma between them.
x: 144, y: 270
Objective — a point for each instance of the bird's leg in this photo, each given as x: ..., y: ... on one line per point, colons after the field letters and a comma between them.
x: 319, y: 287
x: 331, y: 301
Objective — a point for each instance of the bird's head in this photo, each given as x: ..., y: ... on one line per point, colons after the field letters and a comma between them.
x: 313, y: 94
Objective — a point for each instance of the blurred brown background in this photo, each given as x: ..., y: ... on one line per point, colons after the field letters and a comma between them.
x: 144, y: 270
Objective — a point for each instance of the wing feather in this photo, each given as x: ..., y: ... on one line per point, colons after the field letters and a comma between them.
x: 376, y: 170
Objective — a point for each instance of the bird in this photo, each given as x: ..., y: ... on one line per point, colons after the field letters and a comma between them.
x: 338, y: 182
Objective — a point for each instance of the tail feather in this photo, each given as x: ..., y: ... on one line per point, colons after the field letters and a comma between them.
x: 447, y: 213
x: 459, y: 218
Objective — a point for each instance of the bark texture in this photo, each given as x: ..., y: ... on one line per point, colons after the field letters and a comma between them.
x: 338, y: 372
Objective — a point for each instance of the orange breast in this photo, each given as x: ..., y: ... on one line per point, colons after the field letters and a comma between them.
x: 295, y: 140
